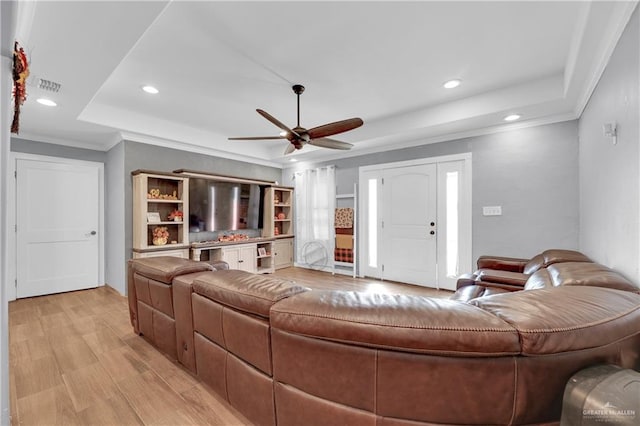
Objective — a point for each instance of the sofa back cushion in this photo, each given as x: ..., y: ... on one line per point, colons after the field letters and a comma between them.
x: 403, y: 322
x: 244, y: 291
x: 539, y: 279
x: 553, y: 256
x: 166, y: 268
x: 588, y: 274
x: 534, y: 264
x: 563, y: 319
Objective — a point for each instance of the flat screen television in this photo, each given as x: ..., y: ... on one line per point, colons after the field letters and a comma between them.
x: 216, y: 206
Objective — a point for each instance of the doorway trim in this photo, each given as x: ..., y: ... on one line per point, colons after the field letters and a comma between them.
x: 12, y: 267
x: 466, y: 209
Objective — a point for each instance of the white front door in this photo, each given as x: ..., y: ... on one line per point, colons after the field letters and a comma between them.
x: 58, y: 219
x: 416, y: 220
x: 408, y: 227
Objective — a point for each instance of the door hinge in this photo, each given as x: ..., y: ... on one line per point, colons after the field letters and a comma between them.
x: 15, y: 227
x: 382, y: 268
x: 382, y: 224
x: 382, y: 181
x: 16, y: 282
x: 15, y: 174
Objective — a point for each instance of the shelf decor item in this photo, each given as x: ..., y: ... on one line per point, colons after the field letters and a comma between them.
x: 160, y: 235
x: 176, y: 215
x: 153, y: 217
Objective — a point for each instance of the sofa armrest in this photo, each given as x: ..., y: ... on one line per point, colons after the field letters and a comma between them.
x: 512, y: 264
x: 501, y: 277
x: 219, y: 265
x: 132, y: 298
x: 465, y: 280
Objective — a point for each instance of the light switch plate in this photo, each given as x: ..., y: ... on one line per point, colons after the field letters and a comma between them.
x: 492, y: 210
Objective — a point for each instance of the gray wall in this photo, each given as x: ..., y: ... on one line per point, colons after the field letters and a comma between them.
x: 52, y: 150
x: 609, y: 187
x: 532, y: 173
x: 115, y: 267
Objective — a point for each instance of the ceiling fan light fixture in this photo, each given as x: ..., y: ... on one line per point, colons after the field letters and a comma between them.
x: 150, y: 89
x: 451, y: 83
x: 298, y: 136
x: 46, y: 102
x: 512, y: 117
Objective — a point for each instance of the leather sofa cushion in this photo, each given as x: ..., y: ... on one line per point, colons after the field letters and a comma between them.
x: 166, y: 268
x: 245, y: 291
x: 534, y: 264
x: 553, y: 256
x: 464, y: 294
x: 154, y: 293
x: 411, y: 323
x: 539, y: 279
x: 503, y: 263
x: 502, y: 277
x: 589, y: 274
x: 563, y: 319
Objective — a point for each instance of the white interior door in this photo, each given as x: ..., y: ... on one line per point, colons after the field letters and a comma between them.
x: 408, y: 231
x: 58, y: 219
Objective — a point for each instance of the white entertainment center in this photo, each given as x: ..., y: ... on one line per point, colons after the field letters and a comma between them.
x: 161, y: 224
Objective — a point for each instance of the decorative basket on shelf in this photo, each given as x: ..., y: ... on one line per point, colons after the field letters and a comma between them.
x: 160, y: 235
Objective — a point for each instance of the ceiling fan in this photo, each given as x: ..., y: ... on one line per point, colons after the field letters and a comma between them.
x: 299, y: 136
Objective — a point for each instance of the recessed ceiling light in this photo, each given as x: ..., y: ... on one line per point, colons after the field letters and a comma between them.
x: 47, y: 102
x: 293, y: 160
x: 150, y: 89
x: 512, y: 117
x: 451, y: 84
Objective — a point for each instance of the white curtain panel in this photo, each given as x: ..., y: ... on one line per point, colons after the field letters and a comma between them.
x: 315, y: 203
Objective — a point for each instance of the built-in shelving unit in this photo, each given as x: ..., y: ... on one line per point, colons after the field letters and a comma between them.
x: 278, y: 211
x: 278, y: 223
x: 349, y: 200
x: 160, y: 209
x: 264, y: 257
x: 255, y: 257
x: 161, y: 223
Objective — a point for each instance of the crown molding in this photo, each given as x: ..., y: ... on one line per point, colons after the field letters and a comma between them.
x: 184, y: 146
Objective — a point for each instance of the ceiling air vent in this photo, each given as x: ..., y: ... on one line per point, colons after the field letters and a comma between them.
x: 49, y: 85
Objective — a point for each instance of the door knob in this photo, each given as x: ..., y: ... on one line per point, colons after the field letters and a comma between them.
x: 433, y: 224
x: 93, y: 232
x: 433, y: 232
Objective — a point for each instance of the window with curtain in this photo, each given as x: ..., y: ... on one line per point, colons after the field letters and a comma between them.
x: 315, y: 203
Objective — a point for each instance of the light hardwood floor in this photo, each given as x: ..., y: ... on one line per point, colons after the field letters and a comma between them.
x: 74, y: 359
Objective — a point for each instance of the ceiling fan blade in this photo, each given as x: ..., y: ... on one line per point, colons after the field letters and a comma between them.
x: 256, y: 138
x: 330, y: 143
x: 290, y: 149
x: 276, y: 122
x: 335, y: 128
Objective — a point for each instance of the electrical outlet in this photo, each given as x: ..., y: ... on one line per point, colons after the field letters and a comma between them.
x: 492, y: 211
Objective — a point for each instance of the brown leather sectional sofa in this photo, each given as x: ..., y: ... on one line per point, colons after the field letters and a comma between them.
x: 512, y: 273
x: 283, y: 354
